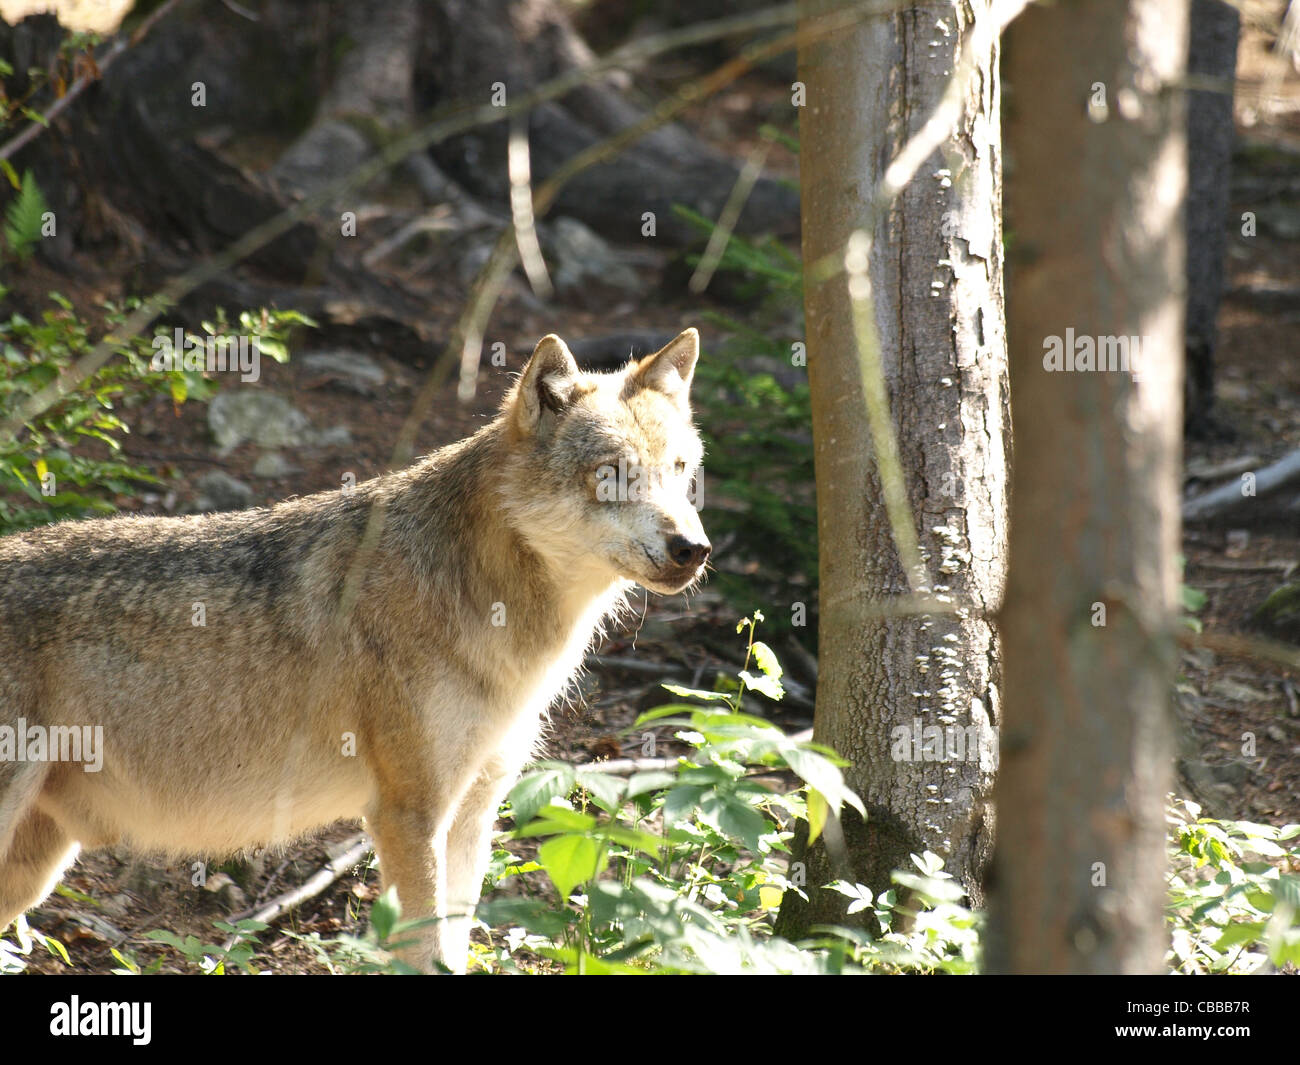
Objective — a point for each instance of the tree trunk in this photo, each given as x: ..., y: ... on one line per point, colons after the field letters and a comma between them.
x: 1095, y: 139
x: 1211, y: 53
x: 936, y: 275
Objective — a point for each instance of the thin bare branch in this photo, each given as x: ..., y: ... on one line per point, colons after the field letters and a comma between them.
x: 726, y: 224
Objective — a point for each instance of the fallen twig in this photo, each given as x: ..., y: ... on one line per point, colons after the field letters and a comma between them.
x: 1229, y: 497
x: 357, y: 846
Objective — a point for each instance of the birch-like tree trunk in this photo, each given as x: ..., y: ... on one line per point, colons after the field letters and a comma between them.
x: 1095, y: 144
x: 911, y: 701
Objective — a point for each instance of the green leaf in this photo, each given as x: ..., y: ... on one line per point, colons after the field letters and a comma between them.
x: 666, y: 711
x: 769, y: 686
x: 680, y: 803
x: 606, y: 789
x: 1248, y: 932
x: 274, y: 348
x: 734, y: 817
x: 572, y: 860
x: 553, y: 780
x: 555, y: 819
x: 1261, y: 900
x: 765, y: 659
x: 695, y: 693
x: 930, y: 888
x: 633, y: 839
x: 1287, y: 890
x: 77, y: 896
x: 54, y: 946
x: 534, y: 915
x: 649, y: 781
x: 818, y: 808
x: 821, y: 773
x: 385, y: 913
x: 859, y: 894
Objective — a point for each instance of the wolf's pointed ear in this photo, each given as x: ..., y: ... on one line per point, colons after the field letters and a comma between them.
x: 549, y: 382
x: 670, y: 369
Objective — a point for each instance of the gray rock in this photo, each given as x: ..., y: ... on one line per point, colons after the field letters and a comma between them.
x: 351, y: 370
x: 272, y: 465
x: 579, y: 259
x: 1214, y: 786
x: 1221, y: 774
x: 220, y: 491
x: 229, y: 894
x: 268, y: 420
x: 334, y: 436
x: 1232, y: 691
x: 264, y: 418
x: 329, y: 148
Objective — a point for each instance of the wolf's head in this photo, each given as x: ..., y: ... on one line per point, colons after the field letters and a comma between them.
x: 602, y: 466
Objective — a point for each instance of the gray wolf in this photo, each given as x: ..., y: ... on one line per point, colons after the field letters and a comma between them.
x: 389, y: 651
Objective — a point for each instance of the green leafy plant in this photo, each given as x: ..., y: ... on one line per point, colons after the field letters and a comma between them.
x: 925, y: 928
x: 681, y: 870
x: 213, y: 959
x: 674, y: 870
x: 49, y: 470
x: 24, y: 218
x: 1234, y: 893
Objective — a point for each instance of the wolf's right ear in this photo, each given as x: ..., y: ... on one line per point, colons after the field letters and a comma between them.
x: 549, y: 382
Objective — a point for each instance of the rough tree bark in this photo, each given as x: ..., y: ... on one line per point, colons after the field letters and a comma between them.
x: 936, y: 274
x: 1077, y: 883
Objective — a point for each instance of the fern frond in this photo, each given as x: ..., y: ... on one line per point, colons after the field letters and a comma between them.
x: 24, y: 217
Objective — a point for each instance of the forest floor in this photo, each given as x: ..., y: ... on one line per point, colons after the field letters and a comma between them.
x: 117, y: 897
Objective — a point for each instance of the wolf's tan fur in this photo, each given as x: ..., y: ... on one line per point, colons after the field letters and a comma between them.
x: 438, y: 641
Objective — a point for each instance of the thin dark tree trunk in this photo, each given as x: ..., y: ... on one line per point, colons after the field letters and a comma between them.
x: 1211, y: 53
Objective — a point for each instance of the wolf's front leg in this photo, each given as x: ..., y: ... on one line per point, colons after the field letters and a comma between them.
x: 412, y: 847
x: 469, y: 848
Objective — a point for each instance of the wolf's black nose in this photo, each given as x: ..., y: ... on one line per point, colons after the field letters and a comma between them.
x: 686, y: 552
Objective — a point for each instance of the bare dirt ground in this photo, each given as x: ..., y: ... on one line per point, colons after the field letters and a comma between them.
x: 120, y: 897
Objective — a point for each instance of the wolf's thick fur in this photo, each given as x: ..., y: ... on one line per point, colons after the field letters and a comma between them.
x: 389, y: 651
